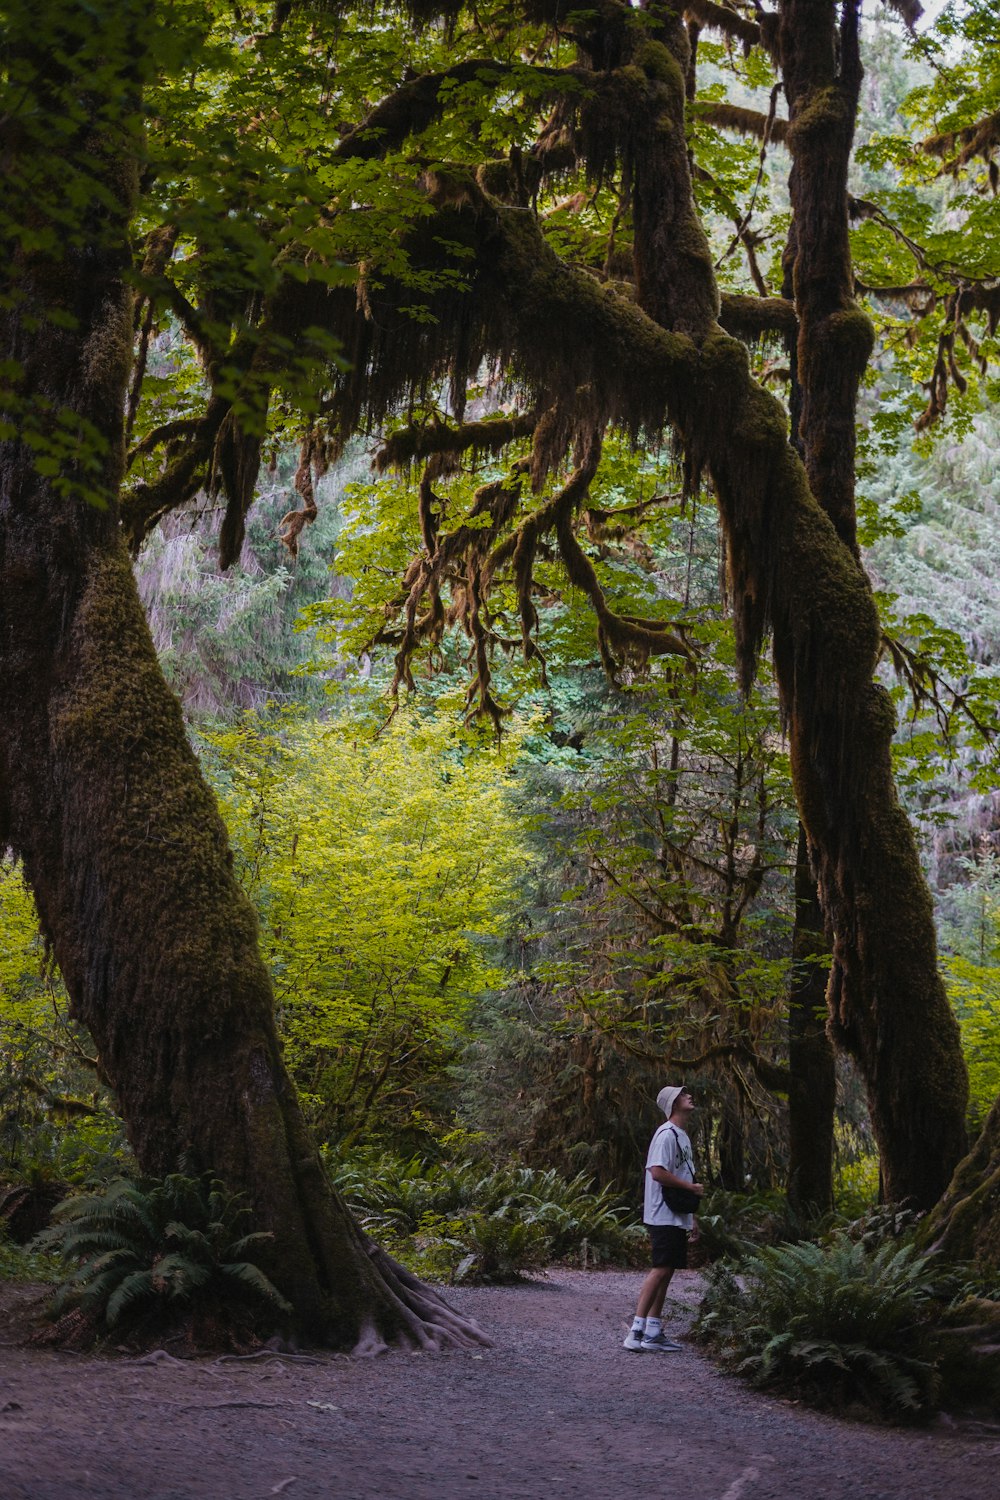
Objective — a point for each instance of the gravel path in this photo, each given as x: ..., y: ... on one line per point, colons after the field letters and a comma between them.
x: 556, y: 1408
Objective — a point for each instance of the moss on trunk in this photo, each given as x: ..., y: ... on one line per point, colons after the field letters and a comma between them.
x: 104, y: 802
x: 811, y: 1064
x: 965, y: 1224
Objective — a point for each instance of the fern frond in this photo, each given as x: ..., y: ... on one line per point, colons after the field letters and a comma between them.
x: 252, y: 1278
x: 135, y: 1289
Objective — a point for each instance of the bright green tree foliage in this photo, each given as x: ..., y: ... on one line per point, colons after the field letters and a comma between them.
x: 21, y: 952
x: 55, y: 1114
x: 970, y: 932
x: 383, y: 869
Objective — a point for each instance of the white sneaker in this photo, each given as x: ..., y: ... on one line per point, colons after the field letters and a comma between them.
x: 633, y: 1339
x: 660, y: 1344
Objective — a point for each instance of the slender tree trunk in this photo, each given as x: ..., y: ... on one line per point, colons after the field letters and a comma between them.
x: 811, y: 1061
x: 887, y: 1002
x: 101, y: 796
x: 731, y: 1146
x: 811, y: 1064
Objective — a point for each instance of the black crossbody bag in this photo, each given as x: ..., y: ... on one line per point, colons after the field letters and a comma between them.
x: 679, y: 1200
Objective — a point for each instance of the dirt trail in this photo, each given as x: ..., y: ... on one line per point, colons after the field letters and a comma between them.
x: 557, y: 1408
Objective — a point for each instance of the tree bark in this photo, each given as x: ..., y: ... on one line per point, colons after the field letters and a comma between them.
x: 811, y: 1063
x: 884, y: 973
x: 888, y: 1006
x: 101, y: 796
x: 965, y: 1224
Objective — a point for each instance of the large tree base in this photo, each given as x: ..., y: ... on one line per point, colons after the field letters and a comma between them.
x: 965, y: 1224
x: 425, y: 1321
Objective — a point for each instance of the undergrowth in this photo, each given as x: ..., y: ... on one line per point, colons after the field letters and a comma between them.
x: 466, y: 1222
x: 147, y: 1257
x: 863, y: 1322
x: 21, y: 1263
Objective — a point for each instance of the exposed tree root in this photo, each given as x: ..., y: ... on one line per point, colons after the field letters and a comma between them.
x: 427, y: 1322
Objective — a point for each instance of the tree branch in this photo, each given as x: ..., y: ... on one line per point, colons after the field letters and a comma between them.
x: 721, y: 18
x: 756, y: 317
x: 745, y: 121
x: 403, y: 447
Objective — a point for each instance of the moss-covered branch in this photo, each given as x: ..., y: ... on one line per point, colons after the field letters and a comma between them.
x: 714, y: 17
x: 758, y: 317
x: 406, y: 445
x: 744, y: 121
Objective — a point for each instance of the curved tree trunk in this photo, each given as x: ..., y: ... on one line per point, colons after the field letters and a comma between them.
x: 101, y: 796
x: 887, y: 1002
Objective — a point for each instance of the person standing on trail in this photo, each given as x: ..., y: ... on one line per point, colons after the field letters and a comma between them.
x: 671, y: 1194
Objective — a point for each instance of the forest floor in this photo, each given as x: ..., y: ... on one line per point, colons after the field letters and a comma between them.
x: 555, y: 1408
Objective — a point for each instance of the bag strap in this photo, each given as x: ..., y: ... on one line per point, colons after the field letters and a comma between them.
x: 685, y: 1159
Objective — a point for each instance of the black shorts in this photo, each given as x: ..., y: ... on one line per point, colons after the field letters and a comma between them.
x: 669, y: 1245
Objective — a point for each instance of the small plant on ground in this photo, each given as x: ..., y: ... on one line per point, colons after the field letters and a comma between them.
x: 155, y: 1255
x: 840, y: 1324
x: 477, y: 1247
x: 19, y: 1263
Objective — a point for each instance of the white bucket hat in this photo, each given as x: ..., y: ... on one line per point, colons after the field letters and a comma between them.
x: 667, y: 1098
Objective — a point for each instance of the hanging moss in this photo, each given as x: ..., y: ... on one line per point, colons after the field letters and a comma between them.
x: 589, y: 356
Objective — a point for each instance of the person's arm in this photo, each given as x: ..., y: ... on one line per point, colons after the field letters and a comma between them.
x: 668, y: 1179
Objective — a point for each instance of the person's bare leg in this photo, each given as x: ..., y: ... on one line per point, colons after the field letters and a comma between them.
x: 653, y: 1292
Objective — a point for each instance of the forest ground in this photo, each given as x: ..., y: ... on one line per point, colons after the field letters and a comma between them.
x: 555, y: 1408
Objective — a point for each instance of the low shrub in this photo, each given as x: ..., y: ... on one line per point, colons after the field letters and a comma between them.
x: 839, y: 1324
x: 19, y: 1263
x: 731, y: 1225
x: 26, y: 1206
x: 476, y: 1247
x: 159, y: 1254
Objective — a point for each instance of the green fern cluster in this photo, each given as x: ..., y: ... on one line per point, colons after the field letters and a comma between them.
x: 160, y: 1251
x: 841, y: 1324
x: 463, y: 1222
x: 473, y: 1247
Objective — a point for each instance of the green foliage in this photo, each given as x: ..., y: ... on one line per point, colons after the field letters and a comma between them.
x: 731, y: 1225
x: 384, y: 868
x: 156, y: 1253
x: 463, y: 1221
x: 856, y: 1184
x: 22, y: 1263
x: 974, y: 990
x: 55, y: 1114
x: 838, y: 1324
x: 474, y: 1247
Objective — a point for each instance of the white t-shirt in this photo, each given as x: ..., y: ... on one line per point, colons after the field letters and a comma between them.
x: 670, y: 1148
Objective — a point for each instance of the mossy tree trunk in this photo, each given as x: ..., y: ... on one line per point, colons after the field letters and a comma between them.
x: 884, y: 973
x: 811, y: 1063
x: 965, y: 1224
x: 887, y: 1003
x: 101, y: 796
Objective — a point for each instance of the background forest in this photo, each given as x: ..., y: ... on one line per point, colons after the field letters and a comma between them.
x: 509, y: 882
